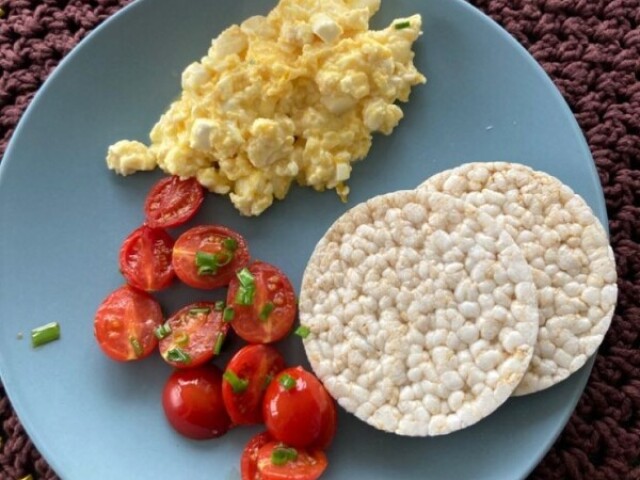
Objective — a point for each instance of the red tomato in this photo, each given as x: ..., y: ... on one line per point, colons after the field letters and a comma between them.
x: 208, y: 256
x: 271, y: 314
x: 329, y: 425
x: 196, y: 333
x: 249, y: 459
x: 306, y: 465
x: 145, y: 259
x: 172, y: 201
x: 125, y: 322
x: 296, y: 409
x: 192, y: 403
x: 252, y: 369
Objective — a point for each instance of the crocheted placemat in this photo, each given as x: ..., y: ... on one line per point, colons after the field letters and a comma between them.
x: 591, y: 49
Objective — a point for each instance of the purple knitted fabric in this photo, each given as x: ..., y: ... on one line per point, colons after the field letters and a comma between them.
x: 591, y: 49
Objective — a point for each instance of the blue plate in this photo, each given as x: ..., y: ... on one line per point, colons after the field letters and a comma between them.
x: 63, y: 217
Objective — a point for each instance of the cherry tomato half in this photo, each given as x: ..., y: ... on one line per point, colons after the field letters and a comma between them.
x: 271, y: 313
x: 297, y: 409
x: 250, y: 370
x: 145, y: 259
x: 124, y: 324
x: 249, y: 459
x: 192, y: 403
x: 273, y: 463
x: 172, y: 202
x: 193, y: 335
x: 208, y: 256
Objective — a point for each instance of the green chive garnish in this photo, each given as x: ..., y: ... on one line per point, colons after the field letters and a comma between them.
x: 178, y: 355
x: 219, y: 306
x: 163, y: 331
x: 244, y: 296
x: 402, y: 25
x: 228, y: 314
x: 267, y: 381
x: 208, y: 263
x: 283, y: 455
x: 199, y: 310
x: 217, y: 348
x: 247, y: 288
x: 287, y: 381
x: 230, y: 244
x: 266, y: 311
x: 45, y: 334
x: 137, y: 348
x: 245, y: 278
x: 238, y: 385
x: 302, y: 331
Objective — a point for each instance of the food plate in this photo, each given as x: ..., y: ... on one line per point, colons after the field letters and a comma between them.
x: 63, y: 217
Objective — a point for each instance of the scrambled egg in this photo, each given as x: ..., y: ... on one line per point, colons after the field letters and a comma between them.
x: 291, y: 96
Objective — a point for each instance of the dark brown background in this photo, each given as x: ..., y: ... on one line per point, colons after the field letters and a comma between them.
x: 591, y: 49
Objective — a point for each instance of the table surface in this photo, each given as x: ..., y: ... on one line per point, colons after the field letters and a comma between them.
x: 591, y: 50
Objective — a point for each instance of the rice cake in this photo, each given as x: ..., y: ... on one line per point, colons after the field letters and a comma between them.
x: 566, y: 247
x: 422, y: 313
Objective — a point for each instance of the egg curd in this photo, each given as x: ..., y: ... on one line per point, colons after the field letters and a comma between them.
x: 294, y: 95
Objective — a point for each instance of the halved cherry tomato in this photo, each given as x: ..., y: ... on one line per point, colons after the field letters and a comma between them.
x: 192, y: 403
x: 193, y: 335
x: 251, y: 371
x: 172, y: 202
x: 271, y: 312
x: 301, y: 464
x: 249, y: 459
x: 208, y: 256
x: 297, y: 409
x: 125, y: 322
x: 145, y: 259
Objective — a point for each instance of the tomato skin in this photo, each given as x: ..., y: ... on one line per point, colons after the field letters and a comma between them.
x: 172, y: 202
x: 145, y: 259
x: 192, y: 402
x: 297, y: 416
x: 329, y: 424
x: 207, y: 238
x: 272, y: 286
x: 257, y: 364
x: 195, y: 334
x: 126, y: 315
x: 308, y: 465
x: 249, y: 459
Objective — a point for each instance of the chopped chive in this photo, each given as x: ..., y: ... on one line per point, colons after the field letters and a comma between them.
x: 182, y: 339
x: 2, y: 13
x: 282, y: 455
x: 137, y: 348
x: 245, y: 278
x: 219, y: 306
x: 287, y: 381
x: 402, y: 25
x: 199, y: 310
x: 207, y: 263
x: 245, y: 295
x: 28, y: 477
x: 178, y: 355
x: 230, y: 244
x: 163, y: 331
x: 238, y: 385
x: 266, y: 311
x: 45, y: 334
x: 303, y: 331
x: 217, y: 348
x: 228, y: 314
x: 267, y: 381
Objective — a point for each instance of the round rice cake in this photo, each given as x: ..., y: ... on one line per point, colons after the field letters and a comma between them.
x: 567, y: 249
x: 422, y: 313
